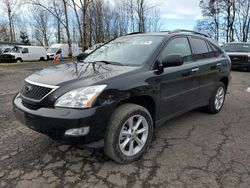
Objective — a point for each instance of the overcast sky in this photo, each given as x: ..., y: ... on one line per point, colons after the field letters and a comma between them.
x: 179, y: 14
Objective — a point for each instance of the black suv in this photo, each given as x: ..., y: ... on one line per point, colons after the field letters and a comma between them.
x: 117, y: 95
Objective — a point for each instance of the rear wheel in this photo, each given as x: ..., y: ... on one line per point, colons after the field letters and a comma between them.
x: 129, y: 133
x: 216, y: 102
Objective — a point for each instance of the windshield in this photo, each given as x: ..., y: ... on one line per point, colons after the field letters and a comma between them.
x: 129, y: 50
x: 237, y: 47
x: 7, y: 50
x: 95, y: 46
x: 52, y: 50
x: 16, y: 49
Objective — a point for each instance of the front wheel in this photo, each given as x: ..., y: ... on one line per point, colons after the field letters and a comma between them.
x: 216, y: 102
x: 129, y: 133
x: 19, y: 60
x: 42, y: 59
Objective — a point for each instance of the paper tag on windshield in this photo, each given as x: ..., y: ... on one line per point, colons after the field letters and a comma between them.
x: 143, y: 42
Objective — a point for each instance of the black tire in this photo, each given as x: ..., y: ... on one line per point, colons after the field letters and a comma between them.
x: 18, y: 60
x: 116, y: 123
x: 211, y: 108
x: 41, y: 59
x: 248, y: 69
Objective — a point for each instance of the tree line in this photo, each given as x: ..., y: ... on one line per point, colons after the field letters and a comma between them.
x: 225, y: 20
x: 76, y: 21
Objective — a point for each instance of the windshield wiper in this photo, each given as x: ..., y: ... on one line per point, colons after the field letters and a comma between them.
x: 109, y: 62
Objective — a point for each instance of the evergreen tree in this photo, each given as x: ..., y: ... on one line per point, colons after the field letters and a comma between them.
x: 24, y: 38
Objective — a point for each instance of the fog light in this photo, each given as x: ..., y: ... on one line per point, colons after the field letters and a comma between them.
x: 77, y: 132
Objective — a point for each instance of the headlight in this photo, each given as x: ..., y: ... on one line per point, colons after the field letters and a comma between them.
x: 80, y: 98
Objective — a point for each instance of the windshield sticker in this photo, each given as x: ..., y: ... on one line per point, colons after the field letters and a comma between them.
x: 142, y: 42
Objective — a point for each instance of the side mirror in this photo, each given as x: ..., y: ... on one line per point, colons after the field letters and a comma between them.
x: 172, y: 60
x: 82, y: 56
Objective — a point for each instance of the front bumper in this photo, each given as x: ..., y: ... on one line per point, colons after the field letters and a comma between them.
x: 53, y: 122
x: 240, y: 65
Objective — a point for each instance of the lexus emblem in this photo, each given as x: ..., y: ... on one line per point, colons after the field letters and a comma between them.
x: 28, y: 89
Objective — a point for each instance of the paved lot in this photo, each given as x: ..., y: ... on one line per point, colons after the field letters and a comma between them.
x: 194, y: 150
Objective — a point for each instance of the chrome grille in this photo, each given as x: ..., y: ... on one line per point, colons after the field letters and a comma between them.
x: 34, y: 92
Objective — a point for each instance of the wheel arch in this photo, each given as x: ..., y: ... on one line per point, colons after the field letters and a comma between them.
x: 225, y: 81
x: 145, y: 101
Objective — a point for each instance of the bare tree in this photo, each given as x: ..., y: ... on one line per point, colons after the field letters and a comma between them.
x: 59, y: 19
x: 4, y: 31
x: 212, y: 9
x: 243, y: 20
x: 140, y: 10
x: 67, y: 26
x: 41, y: 25
x: 153, y: 20
x: 58, y: 14
x: 83, y: 6
x: 10, y: 6
x: 229, y: 6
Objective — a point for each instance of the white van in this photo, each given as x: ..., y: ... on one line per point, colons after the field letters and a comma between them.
x: 28, y: 53
x: 64, y: 49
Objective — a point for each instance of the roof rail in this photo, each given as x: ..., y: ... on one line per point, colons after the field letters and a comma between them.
x: 134, y: 33
x: 188, y: 31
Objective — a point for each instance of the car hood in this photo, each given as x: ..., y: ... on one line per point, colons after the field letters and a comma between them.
x: 60, y: 74
x: 238, y: 53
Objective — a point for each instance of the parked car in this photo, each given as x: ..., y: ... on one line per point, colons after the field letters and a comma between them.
x: 121, y: 92
x: 28, y: 53
x: 7, y: 58
x: 62, y: 49
x: 92, y: 48
x: 239, y: 54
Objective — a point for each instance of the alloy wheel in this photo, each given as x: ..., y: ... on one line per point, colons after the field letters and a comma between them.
x: 133, y: 135
x: 219, y: 98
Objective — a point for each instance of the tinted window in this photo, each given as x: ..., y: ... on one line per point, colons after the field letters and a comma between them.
x: 199, y: 46
x: 212, y: 49
x: 25, y: 50
x: 178, y: 46
x: 202, y: 49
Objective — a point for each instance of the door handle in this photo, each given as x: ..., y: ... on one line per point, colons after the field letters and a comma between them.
x: 191, y: 72
x: 218, y: 64
x: 195, y: 70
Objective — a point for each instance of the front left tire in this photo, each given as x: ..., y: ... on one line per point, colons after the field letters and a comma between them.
x: 129, y: 133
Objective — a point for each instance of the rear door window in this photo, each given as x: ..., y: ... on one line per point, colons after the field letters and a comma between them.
x: 201, y: 50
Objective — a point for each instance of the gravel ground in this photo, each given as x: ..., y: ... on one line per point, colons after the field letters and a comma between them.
x: 194, y: 150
